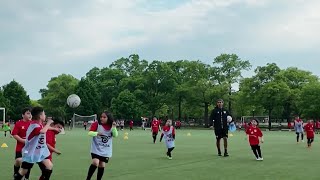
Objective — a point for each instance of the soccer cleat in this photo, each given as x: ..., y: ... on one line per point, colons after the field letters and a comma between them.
x: 219, y: 154
x: 226, y: 155
x: 260, y: 159
x: 170, y: 158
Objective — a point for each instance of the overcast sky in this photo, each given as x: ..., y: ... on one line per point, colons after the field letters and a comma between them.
x: 42, y: 39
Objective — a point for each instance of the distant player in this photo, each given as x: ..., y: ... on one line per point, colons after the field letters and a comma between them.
x: 131, y: 125
x: 155, y: 126
x: 102, y: 133
x: 317, y: 127
x: 309, y: 128
x: 219, y: 118
x: 169, y: 135
x: 178, y: 124
x: 56, y: 128
x: 6, y: 127
x: 121, y: 125
x: 298, y: 127
x: 19, y: 133
x: 36, y: 149
x: 255, y: 138
x: 85, y: 124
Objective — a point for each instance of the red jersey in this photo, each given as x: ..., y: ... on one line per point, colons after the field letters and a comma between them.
x: 309, y: 130
x: 131, y: 123
x: 94, y: 126
x: 20, y: 129
x: 35, y: 131
x: 155, y: 126
x: 254, y: 134
x: 51, y: 140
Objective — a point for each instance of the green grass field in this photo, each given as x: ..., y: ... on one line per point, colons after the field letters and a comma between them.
x: 194, y: 158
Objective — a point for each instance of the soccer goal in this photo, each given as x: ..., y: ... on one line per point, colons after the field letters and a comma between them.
x: 78, y: 120
x: 2, y: 115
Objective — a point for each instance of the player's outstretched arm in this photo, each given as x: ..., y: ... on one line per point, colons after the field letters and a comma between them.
x: 92, y: 133
x: 46, y: 127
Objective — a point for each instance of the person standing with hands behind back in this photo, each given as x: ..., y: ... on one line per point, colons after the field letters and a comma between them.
x: 220, y: 118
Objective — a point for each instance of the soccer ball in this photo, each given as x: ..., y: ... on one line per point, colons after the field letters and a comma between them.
x: 73, y: 101
x: 229, y: 119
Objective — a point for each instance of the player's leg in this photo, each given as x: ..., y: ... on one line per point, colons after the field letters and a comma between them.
x: 42, y: 168
x: 154, y: 136
x: 5, y: 133
x: 169, y: 152
x: 302, y: 136
x: 102, y: 165
x: 48, y: 169
x: 25, y: 167
x: 218, y: 145
x: 254, y: 150
x: 225, y: 142
x: 297, y: 137
x: 259, y: 152
x: 17, y: 163
x: 93, y: 166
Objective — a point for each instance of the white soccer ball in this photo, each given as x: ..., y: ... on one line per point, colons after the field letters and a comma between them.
x: 73, y: 101
x: 229, y: 119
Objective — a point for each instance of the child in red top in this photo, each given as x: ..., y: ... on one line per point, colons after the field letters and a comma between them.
x: 255, y: 138
x: 131, y: 125
x: 309, y: 128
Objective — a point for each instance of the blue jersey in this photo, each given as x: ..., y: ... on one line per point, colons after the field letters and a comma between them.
x: 35, y: 149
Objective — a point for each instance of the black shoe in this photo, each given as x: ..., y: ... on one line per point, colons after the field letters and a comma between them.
x: 226, y: 155
x: 219, y: 154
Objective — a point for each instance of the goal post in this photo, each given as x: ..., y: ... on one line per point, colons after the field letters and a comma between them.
x: 263, y: 120
x: 3, y: 113
x: 78, y: 120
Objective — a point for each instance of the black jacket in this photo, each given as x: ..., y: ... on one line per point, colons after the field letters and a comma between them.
x: 218, y: 118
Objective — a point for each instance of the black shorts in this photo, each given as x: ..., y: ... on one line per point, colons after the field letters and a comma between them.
x: 221, y: 133
x: 101, y: 158
x: 18, y: 155
x: 154, y: 133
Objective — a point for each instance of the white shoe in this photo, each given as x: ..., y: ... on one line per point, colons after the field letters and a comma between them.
x: 260, y: 159
x: 302, y: 141
x: 170, y: 158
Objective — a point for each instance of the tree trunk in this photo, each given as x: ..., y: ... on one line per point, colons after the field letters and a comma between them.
x: 270, y: 110
x: 179, y: 108
x: 206, y: 114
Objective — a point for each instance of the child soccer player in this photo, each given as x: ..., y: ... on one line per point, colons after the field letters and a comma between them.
x: 169, y: 136
x: 19, y: 133
x: 298, y: 127
x: 154, y: 129
x: 55, y: 129
x: 309, y: 128
x: 36, y: 149
x: 6, y: 127
x: 131, y: 125
x: 102, y: 133
x: 255, y: 138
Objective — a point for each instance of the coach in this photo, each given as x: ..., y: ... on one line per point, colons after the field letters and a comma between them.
x: 219, y: 119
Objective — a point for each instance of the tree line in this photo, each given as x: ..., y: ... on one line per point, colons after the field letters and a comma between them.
x: 131, y: 87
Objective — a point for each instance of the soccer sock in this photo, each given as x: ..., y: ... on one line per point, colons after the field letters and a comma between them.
x: 259, y: 151
x: 92, y: 169
x: 100, y: 173
x: 154, y: 138
x: 16, y: 169
x: 5, y: 134
x: 47, y: 174
x: 297, y: 137
x: 28, y: 174
x: 218, y: 146
x: 18, y: 176
x: 301, y: 136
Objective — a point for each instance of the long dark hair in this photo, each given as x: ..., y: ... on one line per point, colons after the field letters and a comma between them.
x: 109, y: 116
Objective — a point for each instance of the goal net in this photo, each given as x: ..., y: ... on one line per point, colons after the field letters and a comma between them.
x: 78, y: 120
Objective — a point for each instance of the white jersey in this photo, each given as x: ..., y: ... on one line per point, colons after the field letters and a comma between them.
x: 102, y: 145
x: 168, y: 137
x: 298, y: 126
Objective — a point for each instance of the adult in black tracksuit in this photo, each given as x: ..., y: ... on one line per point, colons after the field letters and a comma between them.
x: 218, y: 119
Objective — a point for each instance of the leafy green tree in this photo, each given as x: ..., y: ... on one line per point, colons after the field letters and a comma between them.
x: 17, y: 99
x: 125, y: 105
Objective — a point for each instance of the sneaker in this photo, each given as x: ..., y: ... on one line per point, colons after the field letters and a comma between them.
x: 170, y: 158
x: 226, y: 155
x: 257, y: 159
x: 261, y: 159
x: 219, y: 154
